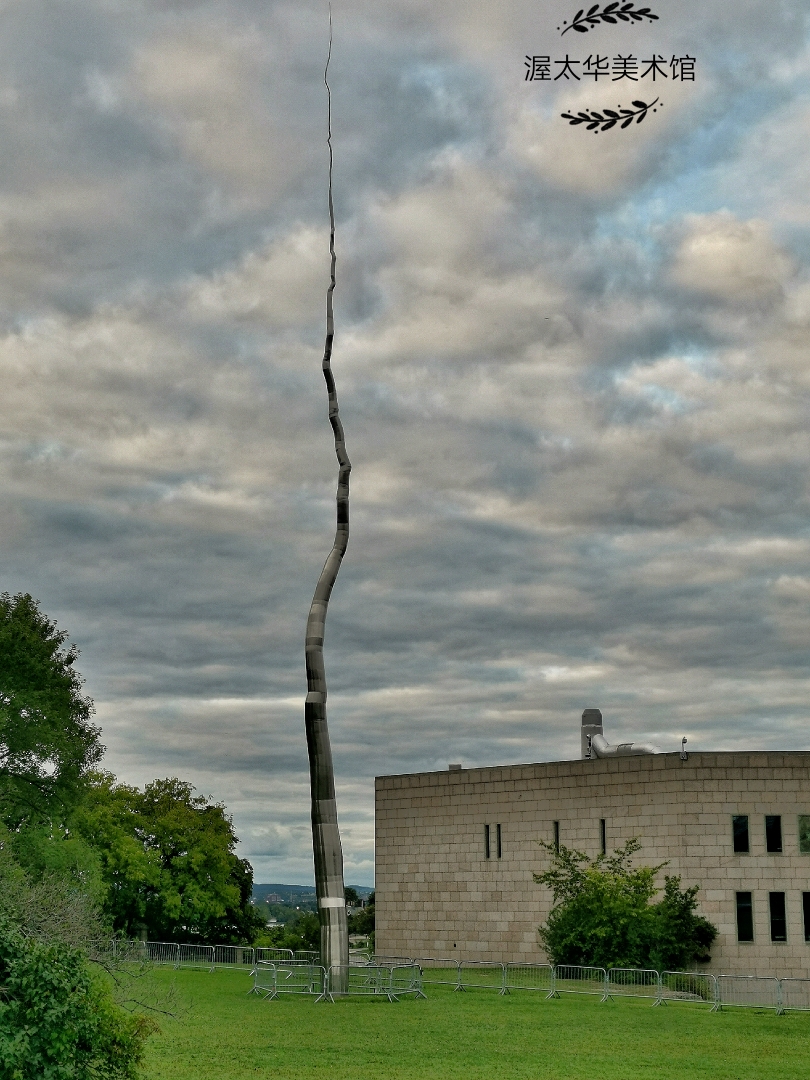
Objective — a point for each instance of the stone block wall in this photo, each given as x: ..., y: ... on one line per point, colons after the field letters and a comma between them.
x: 438, y: 895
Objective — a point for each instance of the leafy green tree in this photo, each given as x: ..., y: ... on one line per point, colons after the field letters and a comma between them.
x: 58, y: 1020
x: 362, y: 921
x: 51, y: 906
x: 168, y: 862
x: 47, y: 742
x: 682, y: 937
x: 301, y: 932
x: 603, y: 915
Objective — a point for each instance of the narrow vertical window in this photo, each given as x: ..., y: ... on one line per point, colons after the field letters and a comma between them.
x: 603, y: 835
x: 773, y: 832
x: 556, y: 836
x: 806, y: 913
x: 778, y: 919
x: 486, y: 841
x: 498, y: 839
x: 739, y: 829
x: 804, y: 834
x: 745, y: 917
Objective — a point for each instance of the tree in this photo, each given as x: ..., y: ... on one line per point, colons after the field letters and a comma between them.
x: 301, y: 932
x: 602, y: 914
x: 47, y: 742
x: 168, y: 862
x: 58, y: 1020
x: 362, y: 921
x: 327, y: 850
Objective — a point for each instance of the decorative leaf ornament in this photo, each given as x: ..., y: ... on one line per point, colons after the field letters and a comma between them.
x: 608, y: 118
x: 582, y: 22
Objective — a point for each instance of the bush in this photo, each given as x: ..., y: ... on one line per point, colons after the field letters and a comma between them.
x: 57, y: 1020
x: 603, y: 917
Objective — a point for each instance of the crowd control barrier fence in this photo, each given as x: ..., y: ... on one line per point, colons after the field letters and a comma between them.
x: 375, y: 980
x: 751, y: 991
x: 528, y: 977
x: 280, y: 971
x: 270, y: 955
x: 438, y: 971
x: 355, y: 980
x: 795, y: 995
x: 473, y: 974
x: 271, y: 979
x: 688, y: 986
x: 634, y: 982
x: 573, y: 979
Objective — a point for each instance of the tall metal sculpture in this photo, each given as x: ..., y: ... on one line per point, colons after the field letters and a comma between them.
x: 325, y: 833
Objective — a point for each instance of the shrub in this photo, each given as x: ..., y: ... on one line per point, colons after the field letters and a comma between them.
x: 57, y: 1019
x: 603, y: 917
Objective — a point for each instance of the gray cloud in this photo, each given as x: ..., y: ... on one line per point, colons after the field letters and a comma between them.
x: 573, y: 373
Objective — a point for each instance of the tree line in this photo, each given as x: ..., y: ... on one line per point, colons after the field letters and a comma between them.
x: 84, y: 857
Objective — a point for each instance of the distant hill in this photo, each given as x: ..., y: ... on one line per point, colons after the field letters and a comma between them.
x: 296, y: 894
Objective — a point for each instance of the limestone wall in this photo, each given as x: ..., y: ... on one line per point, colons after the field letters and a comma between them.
x: 437, y: 894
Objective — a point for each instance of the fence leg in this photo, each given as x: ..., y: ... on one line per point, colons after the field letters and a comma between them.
x: 606, y: 992
x: 504, y: 988
x: 717, y: 1007
x: 325, y: 994
x: 780, y: 1007
x: 553, y: 991
x: 659, y: 992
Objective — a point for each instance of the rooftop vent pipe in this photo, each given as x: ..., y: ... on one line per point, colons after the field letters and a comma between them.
x: 594, y: 744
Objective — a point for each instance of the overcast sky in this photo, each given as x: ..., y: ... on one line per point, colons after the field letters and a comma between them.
x: 573, y: 369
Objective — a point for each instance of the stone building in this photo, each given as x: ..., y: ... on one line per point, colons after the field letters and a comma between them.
x: 456, y: 850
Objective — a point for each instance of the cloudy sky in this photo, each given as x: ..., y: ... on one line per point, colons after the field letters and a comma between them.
x: 573, y: 369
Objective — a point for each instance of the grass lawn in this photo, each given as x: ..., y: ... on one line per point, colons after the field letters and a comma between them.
x: 228, y: 1035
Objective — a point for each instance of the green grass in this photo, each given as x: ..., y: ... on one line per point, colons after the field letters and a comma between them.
x: 228, y: 1035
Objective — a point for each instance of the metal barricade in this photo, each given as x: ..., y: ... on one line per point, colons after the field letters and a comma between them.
x: 101, y: 952
x: 691, y: 986
x: 309, y: 956
x: 634, y: 982
x: 473, y: 974
x: 267, y: 955
x: 384, y: 958
x: 795, y: 994
x: 264, y: 979
x: 136, y: 951
x: 528, y: 977
x: 406, y: 979
x: 233, y: 956
x: 374, y: 980
x: 749, y: 991
x: 271, y: 979
x: 575, y: 979
x: 196, y: 956
x: 163, y: 952
x: 438, y: 971
x: 359, y: 956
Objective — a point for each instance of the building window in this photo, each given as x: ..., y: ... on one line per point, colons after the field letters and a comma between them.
x: 804, y: 833
x: 603, y: 835
x: 556, y: 836
x: 778, y: 919
x: 739, y: 828
x: 773, y: 832
x: 745, y: 917
x: 486, y: 841
x: 498, y: 839
x: 806, y: 912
